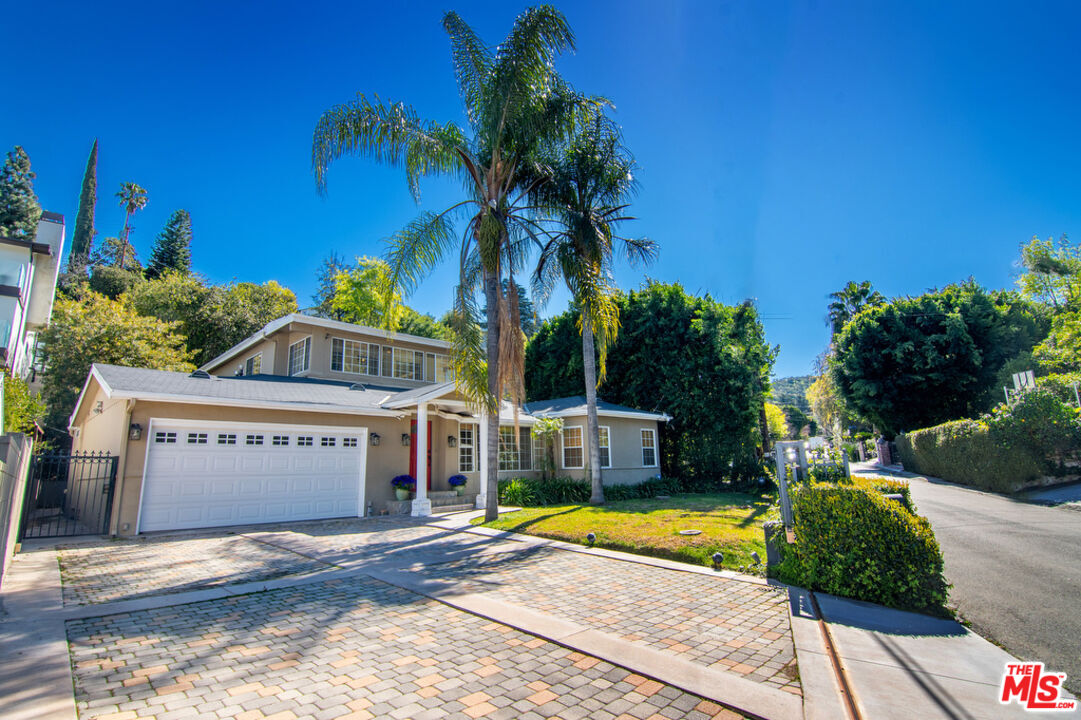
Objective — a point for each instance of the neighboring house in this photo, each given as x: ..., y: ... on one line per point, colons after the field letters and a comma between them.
x: 311, y: 418
x: 28, y: 273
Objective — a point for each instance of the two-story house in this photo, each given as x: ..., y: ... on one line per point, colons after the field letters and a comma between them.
x: 28, y: 273
x: 311, y: 418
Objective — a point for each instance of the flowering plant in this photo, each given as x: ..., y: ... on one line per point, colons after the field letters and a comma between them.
x: 406, y: 482
x: 456, y: 480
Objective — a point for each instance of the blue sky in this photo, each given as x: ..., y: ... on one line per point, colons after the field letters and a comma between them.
x: 785, y: 148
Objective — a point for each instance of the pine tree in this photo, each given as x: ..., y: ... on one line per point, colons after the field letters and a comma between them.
x: 172, y: 249
x: 83, y: 237
x: 19, y: 208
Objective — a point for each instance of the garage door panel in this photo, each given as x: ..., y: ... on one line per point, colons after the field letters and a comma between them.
x: 192, y: 485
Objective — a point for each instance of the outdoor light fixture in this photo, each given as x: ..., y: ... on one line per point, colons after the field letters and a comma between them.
x: 452, y: 441
x: 405, y: 439
x: 375, y: 439
x: 135, y: 432
x: 718, y: 559
x: 754, y: 556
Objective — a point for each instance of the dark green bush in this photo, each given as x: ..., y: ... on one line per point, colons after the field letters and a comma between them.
x: 856, y: 543
x: 825, y: 473
x: 1003, y: 451
x: 534, y: 492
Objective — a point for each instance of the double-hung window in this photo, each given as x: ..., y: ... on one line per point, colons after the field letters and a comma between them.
x: 466, y: 438
x: 604, y: 443
x: 408, y: 364
x: 573, y: 448
x: 515, y: 455
x: 254, y: 364
x: 351, y: 356
x: 300, y: 354
x: 649, y: 448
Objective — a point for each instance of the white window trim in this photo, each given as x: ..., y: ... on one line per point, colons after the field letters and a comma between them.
x: 308, y: 361
x: 563, y: 448
x: 655, y: 449
x: 608, y: 428
x: 472, y: 445
x: 367, y: 363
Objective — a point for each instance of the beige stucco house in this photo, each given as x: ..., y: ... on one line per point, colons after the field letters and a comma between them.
x: 311, y: 418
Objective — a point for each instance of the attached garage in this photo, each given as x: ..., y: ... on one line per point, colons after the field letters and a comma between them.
x: 212, y: 474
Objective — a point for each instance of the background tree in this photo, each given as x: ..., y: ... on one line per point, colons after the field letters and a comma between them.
x: 591, y: 180
x: 830, y: 413
x: 82, y: 238
x: 19, y: 208
x: 917, y: 362
x: 696, y: 359
x: 798, y: 421
x: 527, y: 311
x: 1052, y: 272
x: 849, y: 300
x: 792, y: 391
x: 515, y: 104
x: 132, y: 198
x: 22, y: 409
x: 776, y: 422
x: 326, y: 286
x: 172, y: 249
x: 365, y: 295
x: 97, y: 329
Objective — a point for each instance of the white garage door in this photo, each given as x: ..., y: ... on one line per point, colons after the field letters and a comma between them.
x: 214, y: 474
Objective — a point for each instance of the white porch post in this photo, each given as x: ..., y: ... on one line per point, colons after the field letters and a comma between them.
x: 480, y: 447
x: 422, y: 506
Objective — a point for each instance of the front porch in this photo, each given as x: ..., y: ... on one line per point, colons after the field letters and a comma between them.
x: 443, y: 501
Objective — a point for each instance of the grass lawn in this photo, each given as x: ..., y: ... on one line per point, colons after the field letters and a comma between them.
x: 730, y: 523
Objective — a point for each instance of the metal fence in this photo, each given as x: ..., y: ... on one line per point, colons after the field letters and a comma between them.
x: 69, y: 494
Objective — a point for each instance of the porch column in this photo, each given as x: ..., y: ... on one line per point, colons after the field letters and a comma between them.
x: 480, y: 447
x: 422, y: 506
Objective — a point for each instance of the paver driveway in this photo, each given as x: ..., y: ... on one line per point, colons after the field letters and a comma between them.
x: 355, y: 648
x: 373, y: 618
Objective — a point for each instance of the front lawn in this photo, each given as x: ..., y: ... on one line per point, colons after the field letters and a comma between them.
x: 729, y: 522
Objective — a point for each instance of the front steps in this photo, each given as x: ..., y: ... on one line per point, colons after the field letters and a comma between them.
x: 443, y: 501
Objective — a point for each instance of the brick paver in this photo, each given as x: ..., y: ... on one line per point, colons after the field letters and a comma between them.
x: 126, y: 569
x: 726, y: 624
x: 353, y: 648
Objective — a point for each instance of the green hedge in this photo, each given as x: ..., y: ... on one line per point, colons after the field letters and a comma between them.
x: 855, y: 543
x: 1003, y: 451
x: 880, y: 485
x: 535, y: 492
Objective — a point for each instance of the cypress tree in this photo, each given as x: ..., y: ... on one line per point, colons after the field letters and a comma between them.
x: 172, y: 249
x: 19, y: 208
x: 83, y: 237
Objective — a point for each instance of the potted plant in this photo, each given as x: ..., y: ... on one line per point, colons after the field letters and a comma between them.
x: 458, y: 483
x: 403, y: 486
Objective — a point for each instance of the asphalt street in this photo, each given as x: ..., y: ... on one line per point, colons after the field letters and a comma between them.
x: 1015, y: 568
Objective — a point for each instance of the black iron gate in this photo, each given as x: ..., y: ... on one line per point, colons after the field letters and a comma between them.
x: 68, y: 494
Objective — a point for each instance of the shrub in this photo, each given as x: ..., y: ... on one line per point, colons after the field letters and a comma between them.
x: 882, y: 486
x: 855, y: 543
x: 1003, y: 451
x: 517, y: 492
x: 534, y: 492
x: 825, y: 473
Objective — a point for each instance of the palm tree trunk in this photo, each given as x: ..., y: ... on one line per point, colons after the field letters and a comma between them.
x: 491, y: 296
x: 124, y: 242
x: 589, y: 366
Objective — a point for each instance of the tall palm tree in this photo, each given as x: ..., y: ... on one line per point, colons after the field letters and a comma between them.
x: 132, y: 198
x: 592, y: 178
x: 849, y: 300
x: 516, y: 104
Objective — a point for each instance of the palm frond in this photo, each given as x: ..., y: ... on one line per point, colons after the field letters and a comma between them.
x: 392, y: 134
x: 415, y: 249
x: 472, y: 64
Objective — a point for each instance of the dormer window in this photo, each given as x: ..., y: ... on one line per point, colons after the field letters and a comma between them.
x: 254, y: 364
x: 354, y: 357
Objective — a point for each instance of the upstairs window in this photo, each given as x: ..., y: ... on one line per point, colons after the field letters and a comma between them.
x: 351, y: 356
x: 408, y: 364
x: 300, y: 356
x: 253, y: 365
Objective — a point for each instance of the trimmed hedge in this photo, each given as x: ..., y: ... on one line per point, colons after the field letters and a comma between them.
x: 855, y: 543
x: 536, y: 492
x: 880, y: 485
x: 1001, y: 452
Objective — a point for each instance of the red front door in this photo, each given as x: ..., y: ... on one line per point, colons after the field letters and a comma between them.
x: 413, y: 450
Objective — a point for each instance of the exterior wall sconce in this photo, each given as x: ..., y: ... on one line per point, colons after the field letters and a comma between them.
x: 135, y: 432
x: 452, y: 441
x: 405, y: 439
x: 375, y: 439
x: 98, y: 407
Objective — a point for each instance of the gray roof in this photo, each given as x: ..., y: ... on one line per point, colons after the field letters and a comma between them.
x: 576, y: 405
x: 256, y: 389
